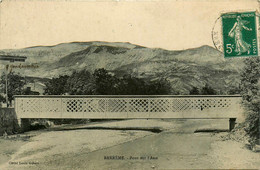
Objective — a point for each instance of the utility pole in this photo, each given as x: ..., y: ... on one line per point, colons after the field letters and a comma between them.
x: 6, y: 76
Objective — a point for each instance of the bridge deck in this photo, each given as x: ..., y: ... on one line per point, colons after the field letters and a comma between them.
x: 124, y: 107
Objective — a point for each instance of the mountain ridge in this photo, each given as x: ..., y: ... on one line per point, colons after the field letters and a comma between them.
x: 183, y: 68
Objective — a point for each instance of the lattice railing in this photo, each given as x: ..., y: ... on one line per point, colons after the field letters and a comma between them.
x: 49, y: 105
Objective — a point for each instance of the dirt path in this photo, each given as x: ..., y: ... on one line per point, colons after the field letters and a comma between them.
x: 177, y: 147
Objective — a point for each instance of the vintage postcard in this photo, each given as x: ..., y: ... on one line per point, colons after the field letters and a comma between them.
x: 140, y: 84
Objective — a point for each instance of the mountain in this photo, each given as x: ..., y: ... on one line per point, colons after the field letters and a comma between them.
x: 184, y: 68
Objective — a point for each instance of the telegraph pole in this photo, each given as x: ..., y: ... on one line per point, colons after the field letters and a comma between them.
x: 6, y: 87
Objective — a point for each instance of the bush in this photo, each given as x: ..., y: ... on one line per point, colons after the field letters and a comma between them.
x: 194, y: 91
x: 208, y: 90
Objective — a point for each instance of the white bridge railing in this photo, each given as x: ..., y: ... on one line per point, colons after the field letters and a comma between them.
x: 106, y: 107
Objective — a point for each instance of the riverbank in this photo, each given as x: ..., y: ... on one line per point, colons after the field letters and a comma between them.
x: 176, y: 147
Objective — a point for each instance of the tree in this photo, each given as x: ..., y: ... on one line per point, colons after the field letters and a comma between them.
x: 207, y: 90
x: 15, y: 84
x: 81, y: 83
x: 56, y: 86
x: 250, y: 91
x: 2, y: 99
x: 234, y: 90
x: 194, y: 91
x: 129, y: 85
x: 159, y: 87
x: 106, y: 84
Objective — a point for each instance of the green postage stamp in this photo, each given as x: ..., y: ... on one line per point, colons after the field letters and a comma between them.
x: 239, y: 32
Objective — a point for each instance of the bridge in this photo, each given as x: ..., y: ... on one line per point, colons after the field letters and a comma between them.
x: 129, y: 107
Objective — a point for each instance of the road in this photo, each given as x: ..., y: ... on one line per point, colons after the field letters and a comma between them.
x: 108, y: 145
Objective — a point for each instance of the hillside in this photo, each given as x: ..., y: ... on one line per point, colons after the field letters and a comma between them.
x: 184, y: 68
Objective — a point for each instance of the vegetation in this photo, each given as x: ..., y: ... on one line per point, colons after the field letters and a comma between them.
x: 101, y: 82
x: 250, y: 91
x: 56, y: 85
x: 194, y: 91
x: 206, y: 90
x: 2, y: 98
x: 15, y: 84
x: 105, y: 83
x: 235, y: 90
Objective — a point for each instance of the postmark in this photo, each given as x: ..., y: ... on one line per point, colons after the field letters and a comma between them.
x: 217, y: 34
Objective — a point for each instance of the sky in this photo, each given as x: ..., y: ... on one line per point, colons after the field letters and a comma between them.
x: 168, y: 24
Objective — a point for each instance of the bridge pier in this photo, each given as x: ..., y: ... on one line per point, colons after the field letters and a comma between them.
x: 232, y: 123
x: 24, y: 125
